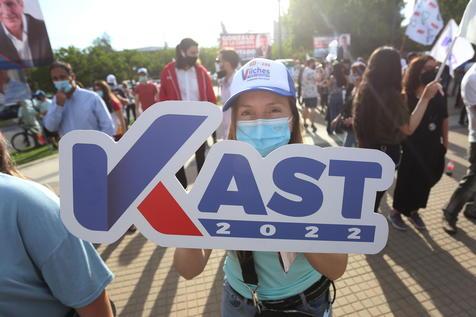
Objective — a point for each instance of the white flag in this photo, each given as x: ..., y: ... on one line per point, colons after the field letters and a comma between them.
x: 425, y: 23
x: 462, y: 50
x: 468, y: 23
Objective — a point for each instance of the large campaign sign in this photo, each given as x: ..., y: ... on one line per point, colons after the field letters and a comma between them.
x: 328, y: 45
x: 24, y: 40
x: 299, y: 198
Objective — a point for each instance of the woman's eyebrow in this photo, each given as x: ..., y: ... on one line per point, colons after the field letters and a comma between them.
x: 274, y: 103
x: 244, y: 106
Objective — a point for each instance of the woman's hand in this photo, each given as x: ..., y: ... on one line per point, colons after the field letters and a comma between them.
x: 332, y: 265
x: 190, y: 262
x: 431, y: 90
x: 349, y: 122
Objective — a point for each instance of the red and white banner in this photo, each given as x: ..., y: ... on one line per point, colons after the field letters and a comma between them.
x: 247, y: 45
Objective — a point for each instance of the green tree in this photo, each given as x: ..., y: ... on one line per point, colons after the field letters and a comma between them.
x: 100, y: 59
x: 371, y: 23
x: 452, y: 9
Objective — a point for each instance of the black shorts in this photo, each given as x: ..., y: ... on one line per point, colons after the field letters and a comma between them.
x: 310, y: 102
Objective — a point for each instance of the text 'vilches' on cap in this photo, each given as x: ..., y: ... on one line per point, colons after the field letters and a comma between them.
x: 261, y: 74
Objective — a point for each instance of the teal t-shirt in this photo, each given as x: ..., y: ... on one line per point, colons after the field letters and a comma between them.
x: 273, y: 282
x: 44, y: 270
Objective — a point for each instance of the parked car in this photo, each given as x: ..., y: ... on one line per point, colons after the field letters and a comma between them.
x: 9, y: 111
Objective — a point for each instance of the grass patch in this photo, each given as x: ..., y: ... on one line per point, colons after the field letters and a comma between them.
x: 7, y: 123
x: 33, y: 155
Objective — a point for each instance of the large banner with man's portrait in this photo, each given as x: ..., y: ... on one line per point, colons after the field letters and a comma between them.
x: 247, y: 45
x: 24, y: 39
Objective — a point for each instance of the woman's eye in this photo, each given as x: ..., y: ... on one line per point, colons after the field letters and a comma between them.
x: 276, y: 110
x: 245, y: 113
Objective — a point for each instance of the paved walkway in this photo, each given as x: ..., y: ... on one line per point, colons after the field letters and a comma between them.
x: 417, y: 274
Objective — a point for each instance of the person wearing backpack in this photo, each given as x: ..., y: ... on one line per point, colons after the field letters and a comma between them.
x: 281, y: 283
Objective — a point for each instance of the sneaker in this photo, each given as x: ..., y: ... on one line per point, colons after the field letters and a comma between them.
x: 395, y: 219
x: 417, y: 221
x: 305, y: 126
x: 470, y: 212
x: 314, y: 129
x: 449, y: 226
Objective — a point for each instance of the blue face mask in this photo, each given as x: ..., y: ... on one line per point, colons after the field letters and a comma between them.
x: 100, y: 93
x: 265, y: 135
x: 63, y: 85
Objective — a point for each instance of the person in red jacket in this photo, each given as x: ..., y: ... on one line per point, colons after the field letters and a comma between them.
x: 185, y: 79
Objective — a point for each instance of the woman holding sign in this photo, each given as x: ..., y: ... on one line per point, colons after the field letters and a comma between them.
x: 381, y: 117
x: 264, y: 114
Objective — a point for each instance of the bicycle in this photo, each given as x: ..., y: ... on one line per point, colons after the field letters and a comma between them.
x: 25, y: 140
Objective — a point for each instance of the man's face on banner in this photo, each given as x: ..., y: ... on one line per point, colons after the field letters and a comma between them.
x: 11, y: 12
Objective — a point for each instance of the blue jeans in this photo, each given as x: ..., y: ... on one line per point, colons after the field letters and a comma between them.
x: 233, y: 305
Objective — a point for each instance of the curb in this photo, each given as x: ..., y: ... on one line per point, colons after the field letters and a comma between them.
x: 26, y: 165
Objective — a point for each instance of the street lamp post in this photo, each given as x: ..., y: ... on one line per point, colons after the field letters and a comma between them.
x: 279, y: 31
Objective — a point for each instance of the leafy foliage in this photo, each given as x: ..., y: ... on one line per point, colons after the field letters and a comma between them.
x: 452, y: 9
x: 100, y: 59
x: 371, y: 23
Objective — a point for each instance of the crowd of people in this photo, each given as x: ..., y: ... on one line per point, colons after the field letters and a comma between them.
x: 377, y: 103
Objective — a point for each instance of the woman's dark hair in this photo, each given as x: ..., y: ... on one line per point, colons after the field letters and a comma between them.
x: 378, y: 96
x: 384, y: 70
x: 107, y: 94
x: 183, y: 46
x: 339, y: 73
x: 296, y: 138
x: 6, y: 163
x: 411, y: 80
x: 230, y: 56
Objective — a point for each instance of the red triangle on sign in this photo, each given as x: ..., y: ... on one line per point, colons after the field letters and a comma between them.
x: 165, y: 215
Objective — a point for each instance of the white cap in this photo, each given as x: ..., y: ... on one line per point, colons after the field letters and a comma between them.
x: 142, y: 70
x: 111, y: 79
x: 261, y: 74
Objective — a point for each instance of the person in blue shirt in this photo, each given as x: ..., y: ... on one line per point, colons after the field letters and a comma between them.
x: 264, y: 114
x: 44, y: 270
x: 74, y: 108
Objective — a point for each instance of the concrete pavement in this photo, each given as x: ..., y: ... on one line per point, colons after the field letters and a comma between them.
x: 417, y: 274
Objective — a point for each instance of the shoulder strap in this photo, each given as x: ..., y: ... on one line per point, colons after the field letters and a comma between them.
x: 248, y: 269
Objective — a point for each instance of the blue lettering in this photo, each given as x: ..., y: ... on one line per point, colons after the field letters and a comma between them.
x: 355, y: 174
x: 284, y: 176
x: 233, y: 167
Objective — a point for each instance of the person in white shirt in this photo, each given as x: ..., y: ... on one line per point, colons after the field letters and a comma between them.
x: 466, y: 190
x: 309, y: 93
x: 228, y: 61
x: 186, y: 79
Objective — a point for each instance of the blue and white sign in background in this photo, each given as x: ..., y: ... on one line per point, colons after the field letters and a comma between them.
x: 299, y: 198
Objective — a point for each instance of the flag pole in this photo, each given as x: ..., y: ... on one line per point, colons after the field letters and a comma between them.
x: 443, y: 65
